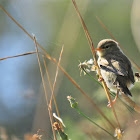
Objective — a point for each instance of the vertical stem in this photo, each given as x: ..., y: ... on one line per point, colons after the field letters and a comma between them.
x: 44, y: 86
x: 57, y: 110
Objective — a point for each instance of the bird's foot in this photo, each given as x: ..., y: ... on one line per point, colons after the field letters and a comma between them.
x: 113, y: 102
x: 100, y: 79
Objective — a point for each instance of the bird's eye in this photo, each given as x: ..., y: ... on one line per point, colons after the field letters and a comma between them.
x: 107, y: 46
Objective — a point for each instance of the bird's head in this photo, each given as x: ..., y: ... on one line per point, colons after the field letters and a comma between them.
x: 107, y: 46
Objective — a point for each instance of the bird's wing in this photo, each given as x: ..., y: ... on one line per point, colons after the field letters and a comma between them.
x: 114, y: 66
x: 118, y: 65
x: 121, y: 66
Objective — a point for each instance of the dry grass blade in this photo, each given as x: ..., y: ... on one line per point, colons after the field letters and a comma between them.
x: 43, y: 81
x: 85, y: 28
x: 23, y: 54
x: 56, y: 75
x: 53, y: 87
x: 111, y: 35
x: 91, y: 46
x: 131, y: 103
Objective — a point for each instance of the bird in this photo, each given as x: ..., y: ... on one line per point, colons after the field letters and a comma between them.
x: 115, y: 67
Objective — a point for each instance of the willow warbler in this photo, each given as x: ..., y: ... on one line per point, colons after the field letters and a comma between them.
x: 115, y: 67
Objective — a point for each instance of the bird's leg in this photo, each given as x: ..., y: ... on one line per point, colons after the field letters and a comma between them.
x: 109, y: 105
x: 100, y: 79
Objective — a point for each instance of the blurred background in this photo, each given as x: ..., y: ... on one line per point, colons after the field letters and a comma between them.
x: 23, y: 108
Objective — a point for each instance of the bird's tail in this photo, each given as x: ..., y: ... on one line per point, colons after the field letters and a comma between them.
x: 126, y: 91
x: 123, y: 88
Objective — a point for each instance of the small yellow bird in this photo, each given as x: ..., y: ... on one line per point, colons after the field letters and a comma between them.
x: 115, y: 67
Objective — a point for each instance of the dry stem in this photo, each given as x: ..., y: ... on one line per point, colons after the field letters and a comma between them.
x: 53, y: 87
x: 28, y: 53
x: 44, y: 86
x: 131, y: 103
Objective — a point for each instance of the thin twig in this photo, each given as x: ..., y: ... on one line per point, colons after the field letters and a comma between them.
x: 43, y: 82
x: 53, y: 87
x: 131, y: 103
x: 85, y: 29
x: 98, y: 69
x: 56, y: 75
x: 57, y: 110
x: 28, y: 53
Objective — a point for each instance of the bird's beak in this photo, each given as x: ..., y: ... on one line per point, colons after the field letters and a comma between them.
x: 98, y: 49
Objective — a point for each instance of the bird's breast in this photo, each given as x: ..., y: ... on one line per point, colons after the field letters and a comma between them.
x: 109, y: 78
